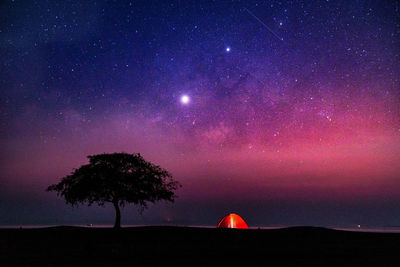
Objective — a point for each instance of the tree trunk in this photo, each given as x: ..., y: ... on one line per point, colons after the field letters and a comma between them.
x: 117, y: 215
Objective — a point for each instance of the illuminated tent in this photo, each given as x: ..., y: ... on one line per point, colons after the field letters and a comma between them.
x: 233, y: 221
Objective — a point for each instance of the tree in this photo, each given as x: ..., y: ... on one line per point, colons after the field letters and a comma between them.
x: 119, y: 178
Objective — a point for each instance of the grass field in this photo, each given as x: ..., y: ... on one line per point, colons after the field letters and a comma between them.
x: 186, y: 246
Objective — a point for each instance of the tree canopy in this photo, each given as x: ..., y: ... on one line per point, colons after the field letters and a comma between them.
x: 118, y: 178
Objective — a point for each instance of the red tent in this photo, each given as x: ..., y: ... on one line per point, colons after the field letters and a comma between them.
x: 233, y: 221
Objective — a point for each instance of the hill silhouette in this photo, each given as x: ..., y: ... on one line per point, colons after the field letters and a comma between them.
x: 167, y: 246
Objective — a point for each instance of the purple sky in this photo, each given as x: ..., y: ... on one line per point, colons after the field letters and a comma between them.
x: 285, y: 112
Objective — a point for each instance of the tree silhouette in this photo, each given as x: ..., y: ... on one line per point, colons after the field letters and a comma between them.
x: 119, y: 178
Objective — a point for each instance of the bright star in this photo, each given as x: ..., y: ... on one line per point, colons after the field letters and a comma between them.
x: 185, y: 99
x: 228, y: 49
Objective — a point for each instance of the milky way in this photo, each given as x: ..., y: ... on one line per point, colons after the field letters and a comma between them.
x: 285, y: 112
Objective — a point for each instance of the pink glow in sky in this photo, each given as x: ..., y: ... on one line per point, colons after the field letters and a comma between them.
x: 294, y: 120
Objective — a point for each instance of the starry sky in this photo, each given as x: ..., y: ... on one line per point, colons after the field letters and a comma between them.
x: 285, y: 112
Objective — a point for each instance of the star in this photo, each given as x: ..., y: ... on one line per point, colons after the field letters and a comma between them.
x: 185, y: 99
x: 228, y: 49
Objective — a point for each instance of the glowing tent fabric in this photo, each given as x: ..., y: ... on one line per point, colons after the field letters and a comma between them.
x: 233, y: 221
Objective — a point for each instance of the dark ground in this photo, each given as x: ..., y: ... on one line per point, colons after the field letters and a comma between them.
x: 161, y: 246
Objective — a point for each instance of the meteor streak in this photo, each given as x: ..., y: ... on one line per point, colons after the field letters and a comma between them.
x: 268, y: 28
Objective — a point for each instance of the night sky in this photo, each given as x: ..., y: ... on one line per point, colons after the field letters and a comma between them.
x: 285, y: 112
